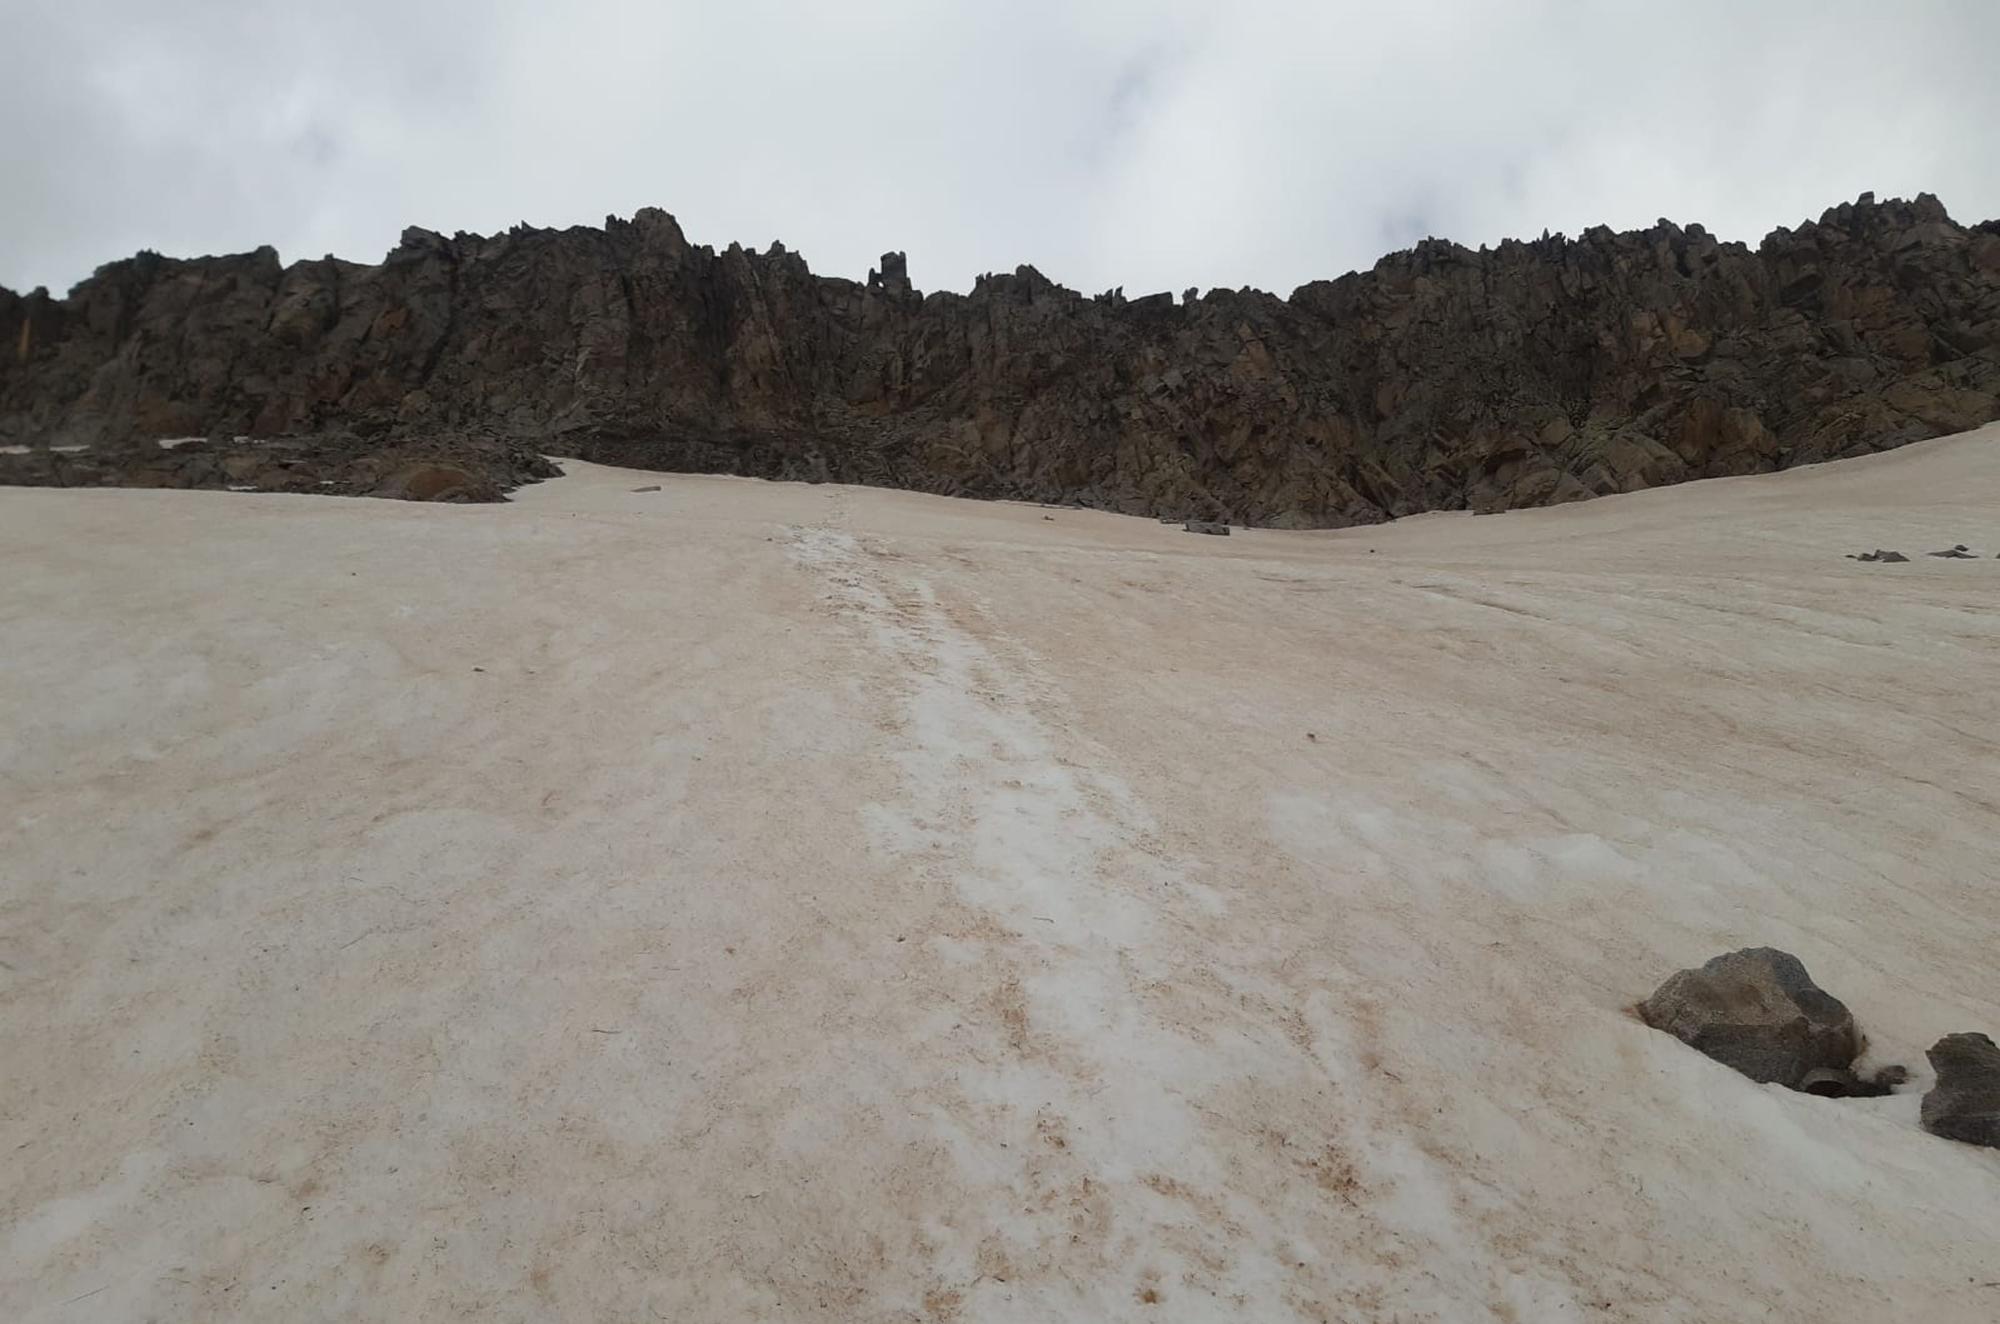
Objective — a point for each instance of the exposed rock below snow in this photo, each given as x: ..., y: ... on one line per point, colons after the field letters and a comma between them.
x: 1955, y: 553
x: 1878, y: 555
x: 1444, y: 378
x: 1965, y: 1103
x: 1757, y: 1010
x: 1207, y: 526
x: 1840, y: 1083
x: 438, y: 467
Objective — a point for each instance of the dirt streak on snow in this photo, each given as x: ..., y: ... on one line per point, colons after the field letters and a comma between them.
x: 739, y: 901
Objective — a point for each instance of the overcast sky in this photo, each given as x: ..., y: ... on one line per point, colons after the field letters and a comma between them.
x: 1153, y: 146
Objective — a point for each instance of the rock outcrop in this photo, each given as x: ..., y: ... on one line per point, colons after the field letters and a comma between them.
x: 436, y: 467
x: 1965, y: 1102
x: 1758, y: 1011
x: 1443, y: 378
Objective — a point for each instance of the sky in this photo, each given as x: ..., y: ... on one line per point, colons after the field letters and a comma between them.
x: 1145, y: 146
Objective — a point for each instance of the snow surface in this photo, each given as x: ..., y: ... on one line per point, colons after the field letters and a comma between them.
x: 757, y: 902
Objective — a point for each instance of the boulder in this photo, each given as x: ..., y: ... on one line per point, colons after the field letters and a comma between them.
x: 1965, y: 1102
x: 1758, y: 1011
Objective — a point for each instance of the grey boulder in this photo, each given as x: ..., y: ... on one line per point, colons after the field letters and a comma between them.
x: 1758, y: 1011
x: 1965, y: 1102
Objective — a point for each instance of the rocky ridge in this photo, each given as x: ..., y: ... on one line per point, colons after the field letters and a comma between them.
x: 1444, y: 378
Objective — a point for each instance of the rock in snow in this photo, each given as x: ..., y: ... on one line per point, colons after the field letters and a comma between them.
x: 1757, y: 1010
x: 1965, y: 1102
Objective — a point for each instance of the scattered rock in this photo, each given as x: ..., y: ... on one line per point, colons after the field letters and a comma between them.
x: 1877, y: 555
x: 1956, y: 553
x: 1758, y: 1011
x: 1207, y: 526
x: 1965, y: 1102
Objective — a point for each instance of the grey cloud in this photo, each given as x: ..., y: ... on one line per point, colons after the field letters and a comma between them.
x: 1152, y: 146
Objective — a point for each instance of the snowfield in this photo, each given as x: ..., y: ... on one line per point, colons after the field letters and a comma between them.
x: 755, y: 902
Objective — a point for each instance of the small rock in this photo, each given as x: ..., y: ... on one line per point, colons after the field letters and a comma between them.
x: 1888, y: 1078
x: 654, y: 488
x: 1965, y: 1102
x: 1050, y: 517
x: 1956, y: 553
x: 1877, y: 555
x: 1758, y: 1011
x: 1207, y: 526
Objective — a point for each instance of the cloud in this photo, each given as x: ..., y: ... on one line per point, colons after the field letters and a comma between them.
x: 1152, y: 146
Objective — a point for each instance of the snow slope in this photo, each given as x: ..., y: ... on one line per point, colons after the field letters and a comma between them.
x: 754, y: 902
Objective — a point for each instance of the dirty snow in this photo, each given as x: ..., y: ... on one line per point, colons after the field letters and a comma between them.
x: 743, y: 901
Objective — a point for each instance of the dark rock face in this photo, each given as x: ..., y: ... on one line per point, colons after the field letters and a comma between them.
x: 1444, y: 378
x: 1757, y: 1010
x: 1965, y: 1103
